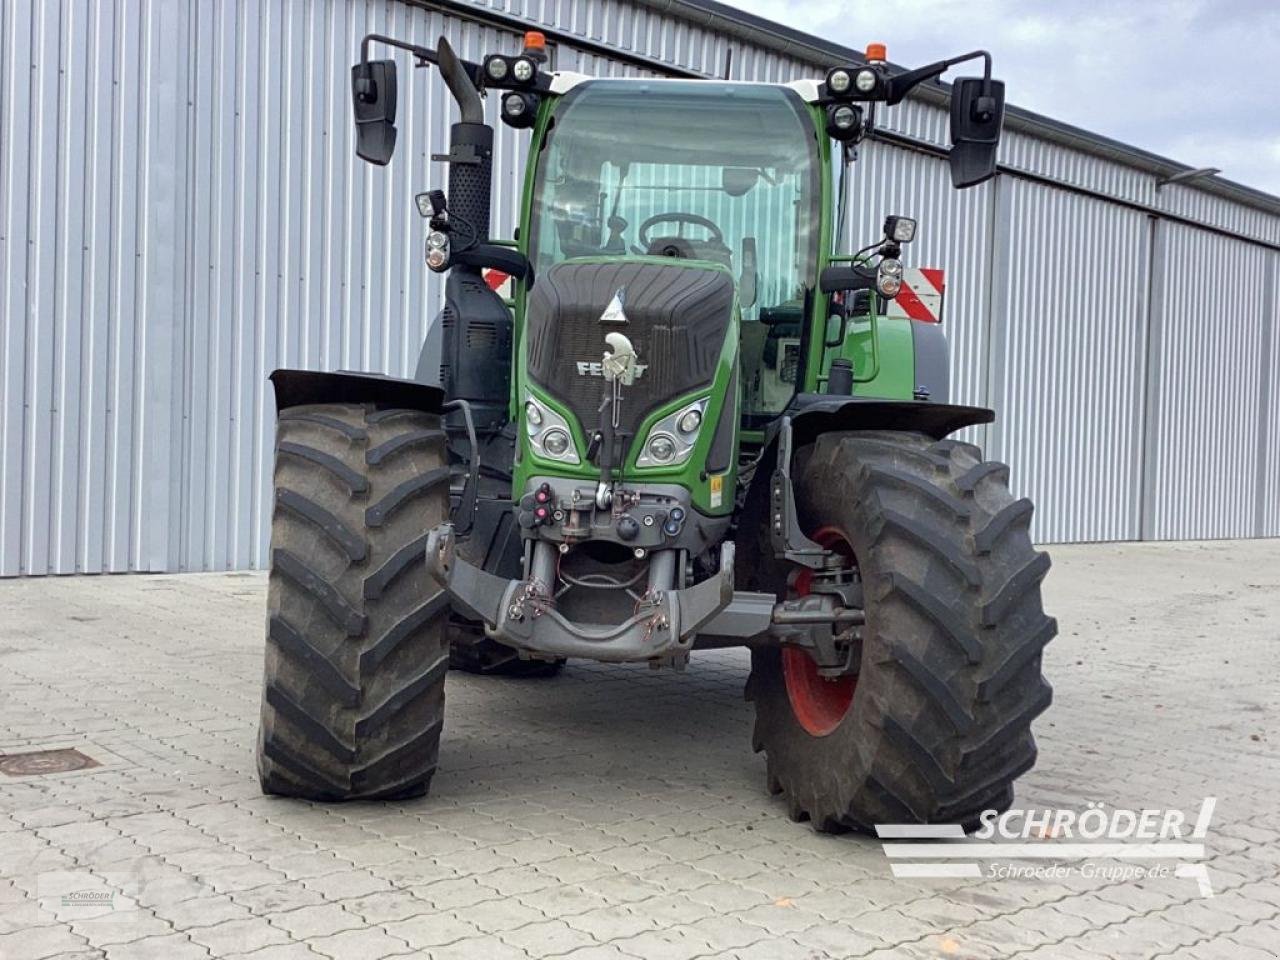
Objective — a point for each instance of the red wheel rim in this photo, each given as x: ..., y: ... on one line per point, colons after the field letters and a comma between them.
x: 818, y: 703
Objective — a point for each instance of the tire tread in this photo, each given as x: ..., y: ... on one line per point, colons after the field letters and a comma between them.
x: 353, y: 697
x: 951, y: 672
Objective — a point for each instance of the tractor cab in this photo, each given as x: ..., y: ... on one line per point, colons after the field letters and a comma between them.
x: 717, y: 172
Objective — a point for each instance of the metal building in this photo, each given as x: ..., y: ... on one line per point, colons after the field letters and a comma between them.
x: 181, y: 212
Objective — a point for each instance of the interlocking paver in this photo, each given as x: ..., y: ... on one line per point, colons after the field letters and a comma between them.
x: 454, y: 894
x: 35, y: 943
x: 601, y: 951
x: 540, y: 840
x: 121, y: 927
x: 202, y: 912
x: 616, y: 922
x: 321, y: 920
x: 506, y: 913
x: 238, y: 936
x: 283, y: 951
x: 487, y: 947
x: 172, y: 947
x: 547, y: 936
x: 275, y: 897
x: 347, y: 884
x: 367, y: 944
x: 432, y: 930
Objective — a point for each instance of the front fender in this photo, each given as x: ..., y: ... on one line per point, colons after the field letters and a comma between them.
x: 297, y: 387
x: 813, y: 414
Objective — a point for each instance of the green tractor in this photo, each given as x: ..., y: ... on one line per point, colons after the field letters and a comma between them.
x: 690, y: 425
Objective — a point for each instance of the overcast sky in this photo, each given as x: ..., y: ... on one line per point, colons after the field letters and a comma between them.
x: 1197, y: 81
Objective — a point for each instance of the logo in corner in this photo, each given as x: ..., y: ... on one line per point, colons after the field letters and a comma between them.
x: 1097, y: 843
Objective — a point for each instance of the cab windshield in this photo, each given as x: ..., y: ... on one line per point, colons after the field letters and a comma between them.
x: 726, y: 172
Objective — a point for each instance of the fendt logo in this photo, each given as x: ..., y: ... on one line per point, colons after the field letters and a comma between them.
x: 588, y: 368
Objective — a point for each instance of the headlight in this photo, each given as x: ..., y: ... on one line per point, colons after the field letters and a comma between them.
x: 865, y: 80
x: 891, y: 267
x: 556, y: 442
x: 548, y: 432
x: 662, y: 448
x: 838, y: 81
x: 671, y: 440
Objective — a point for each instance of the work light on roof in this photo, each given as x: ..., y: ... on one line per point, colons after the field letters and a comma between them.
x: 900, y: 229
x: 519, y: 109
x: 523, y: 70
x: 844, y: 121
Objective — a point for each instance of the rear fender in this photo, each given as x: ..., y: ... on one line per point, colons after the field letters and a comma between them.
x: 294, y: 388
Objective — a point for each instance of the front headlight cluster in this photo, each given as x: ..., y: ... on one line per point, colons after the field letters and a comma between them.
x: 670, y: 442
x: 549, y: 433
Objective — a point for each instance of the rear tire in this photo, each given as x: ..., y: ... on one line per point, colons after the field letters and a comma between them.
x: 353, y: 698
x: 939, y: 723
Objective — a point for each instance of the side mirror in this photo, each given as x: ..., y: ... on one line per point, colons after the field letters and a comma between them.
x: 976, y: 116
x: 373, y: 100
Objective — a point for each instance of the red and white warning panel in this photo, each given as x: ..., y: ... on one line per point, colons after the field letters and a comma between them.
x: 500, y: 283
x: 921, y: 295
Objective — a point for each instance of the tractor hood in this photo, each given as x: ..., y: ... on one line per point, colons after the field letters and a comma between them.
x: 678, y: 317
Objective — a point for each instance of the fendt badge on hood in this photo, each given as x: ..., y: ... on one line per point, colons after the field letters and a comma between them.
x: 618, y: 364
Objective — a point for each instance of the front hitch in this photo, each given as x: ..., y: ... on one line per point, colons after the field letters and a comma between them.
x: 523, y: 614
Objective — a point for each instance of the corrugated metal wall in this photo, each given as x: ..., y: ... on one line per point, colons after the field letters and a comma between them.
x: 1207, y: 425
x: 181, y: 212
x: 1067, y: 357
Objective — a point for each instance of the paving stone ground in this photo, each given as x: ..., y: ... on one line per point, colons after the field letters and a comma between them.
x: 613, y: 812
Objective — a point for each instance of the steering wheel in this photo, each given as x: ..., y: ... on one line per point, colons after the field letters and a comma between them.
x: 693, y: 219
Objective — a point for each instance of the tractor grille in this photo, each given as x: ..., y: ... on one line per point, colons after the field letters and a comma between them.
x: 677, y: 319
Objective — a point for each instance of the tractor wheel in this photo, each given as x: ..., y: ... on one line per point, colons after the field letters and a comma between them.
x: 936, y: 725
x: 472, y: 652
x: 353, y: 699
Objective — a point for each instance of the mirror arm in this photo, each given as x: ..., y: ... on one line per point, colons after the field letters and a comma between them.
x: 461, y: 76
x: 902, y: 84
x: 423, y: 55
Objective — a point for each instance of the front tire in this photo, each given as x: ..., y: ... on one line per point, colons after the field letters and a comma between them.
x: 938, y: 724
x: 353, y: 698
